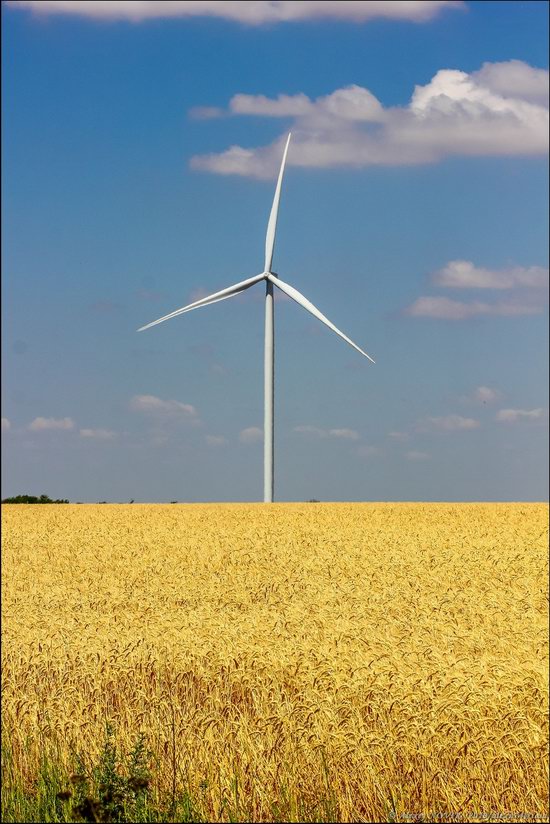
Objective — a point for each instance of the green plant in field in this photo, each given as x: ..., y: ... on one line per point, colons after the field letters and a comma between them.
x: 115, y: 790
x: 117, y: 787
x: 33, y: 801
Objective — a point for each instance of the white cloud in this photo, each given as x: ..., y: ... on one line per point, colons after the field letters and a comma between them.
x: 515, y: 415
x: 238, y: 161
x: 346, y: 434
x: 252, y: 434
x: 398, y: 436
x: 525, y: 299
x: 284, y: 105
x: 449, y: 423
x: 205, y: 112
x: 456, y: 113
x: 515, y: 79
x: 415, y: 455
x: 245, y: 11
x: 98, y: 434
x: 40, y: 424
x: 6, y: 424
x: 156, y: 406
x: 484, y: 394
x: 448, y: 309
x: 352, y: 103
x: 215, y: 440
x: 462, y: 274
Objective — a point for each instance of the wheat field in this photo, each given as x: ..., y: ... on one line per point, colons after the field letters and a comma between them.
x: 357, y: 662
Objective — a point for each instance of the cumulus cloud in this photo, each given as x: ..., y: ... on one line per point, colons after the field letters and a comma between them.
x: 416, y: 455
x: 40, y: 424
x: 398, y: 436
x: 205, y: 112
x: 523, y: 283
x: 6, y: 424
x: 98, y: 434
x: 448, y: 309
x: 514, y: 78
x: 448, y: 423
x: 463, y: 274
x: 485, y: 394
x: 495, y: 111
x: 215, y: 440
x: 152, y: 405
x: 346, y: 434
x: 252, y: 434
x: 243, y: 11
x: 515, y: 415
x: 353, y: 103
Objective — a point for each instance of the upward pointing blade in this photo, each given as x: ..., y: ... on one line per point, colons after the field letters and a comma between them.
x: 272, y: 225
x: 214, y: 298
x: 299, y: 298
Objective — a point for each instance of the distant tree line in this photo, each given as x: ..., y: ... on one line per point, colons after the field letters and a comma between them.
x: 33, y: 499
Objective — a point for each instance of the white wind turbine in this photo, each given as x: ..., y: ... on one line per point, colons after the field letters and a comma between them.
x: 271, y: 279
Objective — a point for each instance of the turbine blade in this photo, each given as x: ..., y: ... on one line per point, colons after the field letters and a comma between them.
x: 272, y: 225
x: 299, y: 298
x: 214, y: 298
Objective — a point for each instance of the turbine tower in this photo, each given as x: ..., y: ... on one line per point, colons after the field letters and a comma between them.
x: 271, y: 279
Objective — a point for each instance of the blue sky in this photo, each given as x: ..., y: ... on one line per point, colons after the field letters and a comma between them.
x: 140, y: 147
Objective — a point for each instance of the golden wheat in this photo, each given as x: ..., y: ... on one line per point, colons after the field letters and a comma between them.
x: 389, y: 656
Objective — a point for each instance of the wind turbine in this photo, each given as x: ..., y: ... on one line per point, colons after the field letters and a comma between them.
x: 271, y: 279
